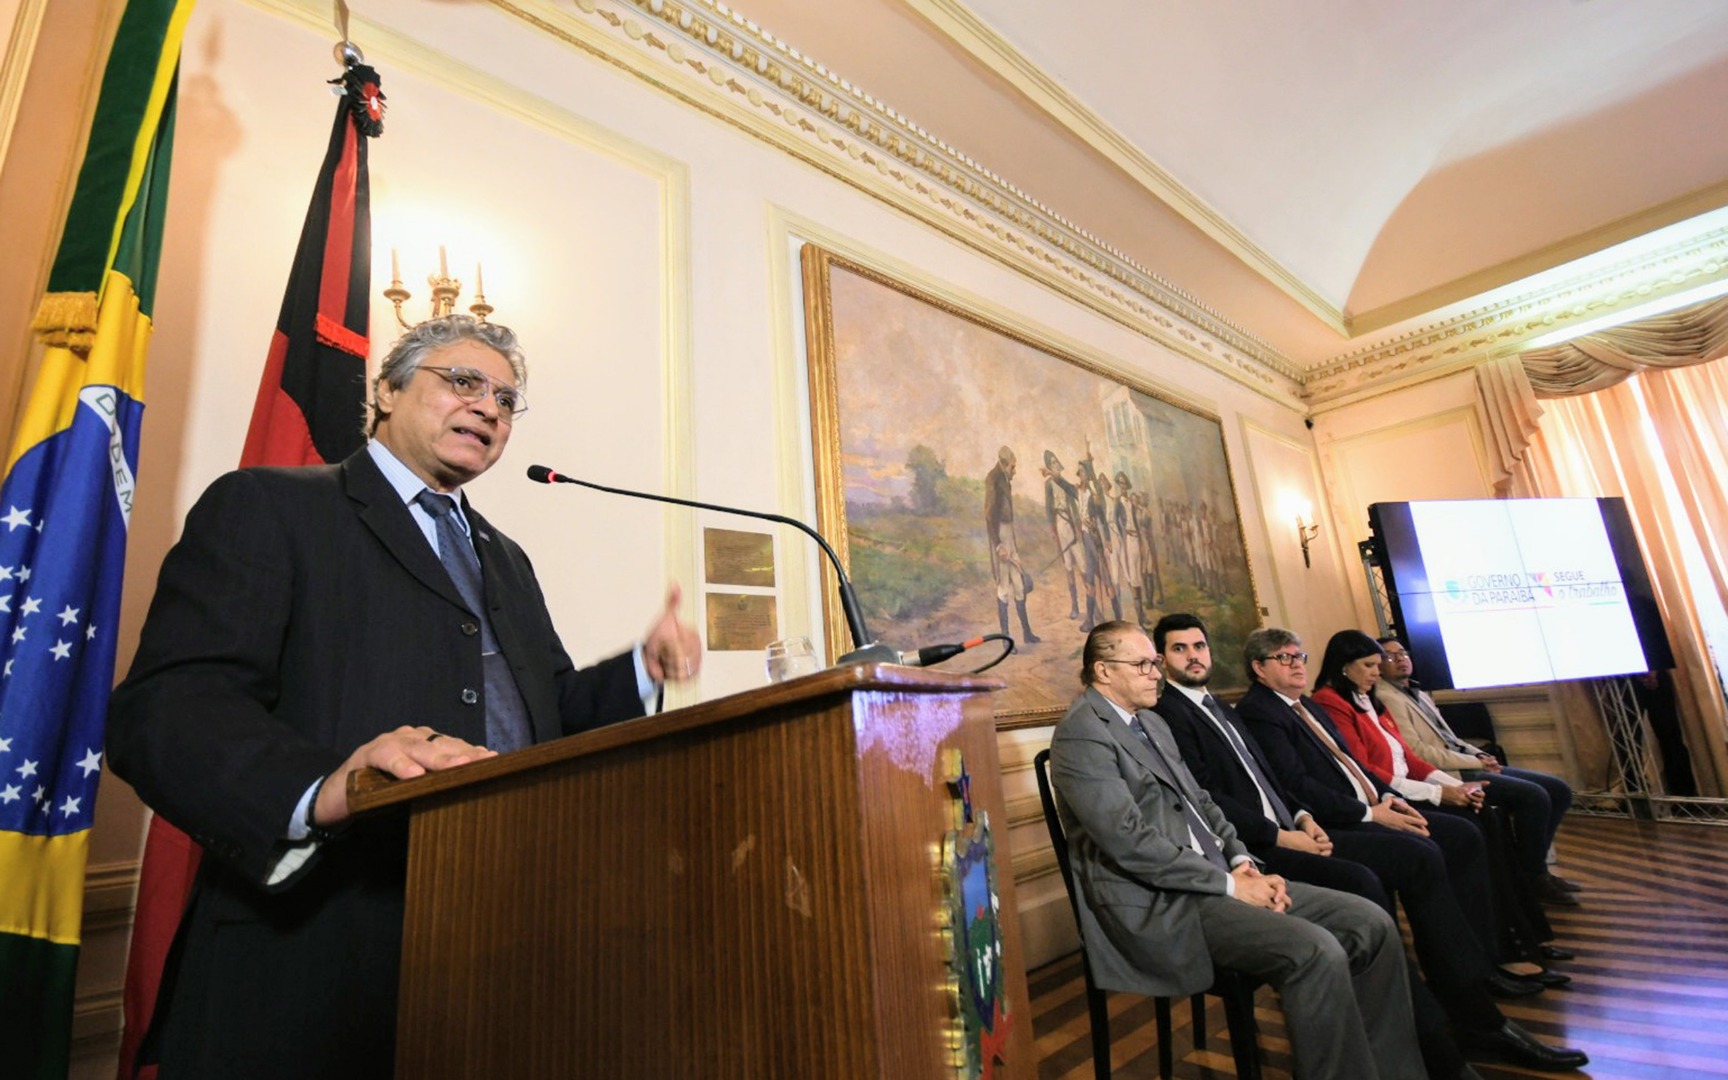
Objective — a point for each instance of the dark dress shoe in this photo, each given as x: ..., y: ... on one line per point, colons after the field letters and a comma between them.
x: 1502, y: 985
x: 1569, y: 886
x: 1512, y: 1044
x: 1555, y: 952
x: 1548, y: 978
x: 1549, y: 892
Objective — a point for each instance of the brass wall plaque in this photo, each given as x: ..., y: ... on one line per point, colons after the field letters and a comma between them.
x: 740, y: 622
x: 731, y: 557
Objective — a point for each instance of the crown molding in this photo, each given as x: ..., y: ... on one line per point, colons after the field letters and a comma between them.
x: 1499, y: 328
x: 1513, y: 270
x: 963, y: 27
x: 711, y: 57
x: 708, y: 56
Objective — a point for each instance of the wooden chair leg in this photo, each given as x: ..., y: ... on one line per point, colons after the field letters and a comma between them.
x: 1244, y: 1032
x: 1098, y: 1006
x: 1166, y: 1052
x: 1197, y: 1010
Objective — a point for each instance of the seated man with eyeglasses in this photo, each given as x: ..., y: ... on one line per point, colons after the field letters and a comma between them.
x: 1171, y: 891
x: 315, y: 621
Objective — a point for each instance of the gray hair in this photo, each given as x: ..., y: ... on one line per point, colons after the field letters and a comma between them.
x: 1262, y: 643
x: 1104, y: 642
x: 409, y: 351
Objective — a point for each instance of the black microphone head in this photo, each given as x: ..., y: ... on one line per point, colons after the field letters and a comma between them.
x: 540, y: 474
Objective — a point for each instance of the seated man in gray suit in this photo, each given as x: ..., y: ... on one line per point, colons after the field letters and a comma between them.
x: 1170, y: 891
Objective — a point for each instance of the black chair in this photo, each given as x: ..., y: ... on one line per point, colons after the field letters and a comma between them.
x: 1236, y: 989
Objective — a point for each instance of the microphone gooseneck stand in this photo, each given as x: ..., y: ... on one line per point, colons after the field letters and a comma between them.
x: 865, y: 650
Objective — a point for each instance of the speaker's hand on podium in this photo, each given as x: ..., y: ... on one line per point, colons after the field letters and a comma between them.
x: 404, y: 753
x: 671, y: 651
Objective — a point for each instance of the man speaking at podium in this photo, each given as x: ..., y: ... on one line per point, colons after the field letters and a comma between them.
x: 314, y: 621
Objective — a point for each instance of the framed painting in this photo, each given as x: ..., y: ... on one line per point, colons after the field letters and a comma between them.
x: 977, y: 481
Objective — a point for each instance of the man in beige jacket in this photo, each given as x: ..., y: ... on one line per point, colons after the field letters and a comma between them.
x: 1534, y: 801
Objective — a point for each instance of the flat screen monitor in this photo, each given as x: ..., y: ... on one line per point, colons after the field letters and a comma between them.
x: 1500, y: 592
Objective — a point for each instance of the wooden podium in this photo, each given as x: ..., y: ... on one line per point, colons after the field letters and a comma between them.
x: 750, y: 888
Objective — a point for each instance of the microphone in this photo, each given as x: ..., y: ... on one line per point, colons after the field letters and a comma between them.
x: 865, y: 650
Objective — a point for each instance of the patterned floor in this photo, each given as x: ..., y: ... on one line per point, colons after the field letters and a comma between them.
x: 1649, y: 993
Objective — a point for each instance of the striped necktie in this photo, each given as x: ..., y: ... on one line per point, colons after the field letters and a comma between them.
x: 1357, y: 776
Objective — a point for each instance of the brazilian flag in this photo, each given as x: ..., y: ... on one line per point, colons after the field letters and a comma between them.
x: 65, y: 501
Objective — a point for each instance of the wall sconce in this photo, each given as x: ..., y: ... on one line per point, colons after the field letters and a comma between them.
x: 445, y: 291
x: 1306, y: 527
x: 1306, y: 530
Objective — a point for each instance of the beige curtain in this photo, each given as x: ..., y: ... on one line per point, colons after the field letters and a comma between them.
x: 1608, y: 414
x: 1508, y: 410
x: 1689, y: 409
x: 1600, y: 444
x: 1691, y: 335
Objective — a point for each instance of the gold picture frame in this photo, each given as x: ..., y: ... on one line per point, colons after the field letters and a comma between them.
x: 975, y: 479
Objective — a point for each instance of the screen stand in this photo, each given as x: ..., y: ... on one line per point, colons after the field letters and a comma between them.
x: 1376, y: 586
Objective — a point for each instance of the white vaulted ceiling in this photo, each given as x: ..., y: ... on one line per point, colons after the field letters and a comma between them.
x: 1339, y: 136
x: 1321, y: 170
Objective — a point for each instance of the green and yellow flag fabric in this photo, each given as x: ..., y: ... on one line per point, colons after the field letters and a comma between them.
x: 65, y: 502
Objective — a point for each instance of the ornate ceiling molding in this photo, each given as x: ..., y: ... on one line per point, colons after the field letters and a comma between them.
x: 1530, y: 264
x: 1499, y: 328
x: 709, y: 56
x: 712, y: 57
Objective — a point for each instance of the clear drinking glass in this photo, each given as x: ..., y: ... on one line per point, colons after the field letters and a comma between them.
x: 789, y: 658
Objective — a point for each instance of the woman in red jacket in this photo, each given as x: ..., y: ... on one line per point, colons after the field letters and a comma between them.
x: 1348, y: 675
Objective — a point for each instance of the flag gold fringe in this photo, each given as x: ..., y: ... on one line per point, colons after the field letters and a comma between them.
x: 67, y: 320
x: 114, y: 356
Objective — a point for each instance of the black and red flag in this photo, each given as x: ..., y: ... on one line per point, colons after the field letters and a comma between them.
x: 310, y: 407
x: 312, y: 398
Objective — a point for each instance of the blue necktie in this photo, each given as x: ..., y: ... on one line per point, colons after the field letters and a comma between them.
x: 507, y: 726
x: 1196, y: 824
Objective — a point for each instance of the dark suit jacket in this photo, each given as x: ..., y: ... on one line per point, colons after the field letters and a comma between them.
x: 1213, y: 761
x: 1129, y: 844
x: 1298, y: 759
x: 301, y: 614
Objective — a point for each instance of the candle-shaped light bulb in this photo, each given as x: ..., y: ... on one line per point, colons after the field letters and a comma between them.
x: 395, y: 266
x: 479, y: 281
x: 443, y: 267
